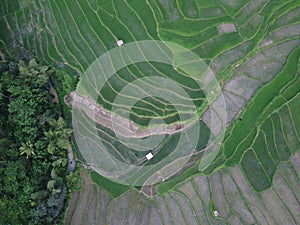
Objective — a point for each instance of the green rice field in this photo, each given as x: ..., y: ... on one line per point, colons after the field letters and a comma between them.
x: 251, y: 49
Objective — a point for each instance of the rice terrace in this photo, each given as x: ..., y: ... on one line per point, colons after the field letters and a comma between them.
x: 181, y: 111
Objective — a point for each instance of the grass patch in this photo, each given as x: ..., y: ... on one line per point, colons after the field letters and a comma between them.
x: 215, y: 46
x: 246, y: 143
x: 261, y: 151
x: 114, y: 189
x: 254, y: 172
x: 294, y: 109
x: 288, y: 130
x: 283, y: 149
x: 169, y: 185
x: 267, y: 128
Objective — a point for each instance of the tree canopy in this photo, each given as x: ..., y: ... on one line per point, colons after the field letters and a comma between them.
x: 33, y: 143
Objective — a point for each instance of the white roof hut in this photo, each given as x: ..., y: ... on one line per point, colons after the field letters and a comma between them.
x: 120, y: 42
x: 216, y: 213
x: 149, y: 156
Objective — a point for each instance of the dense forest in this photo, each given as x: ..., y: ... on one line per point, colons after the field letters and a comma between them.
x: 34, y: 182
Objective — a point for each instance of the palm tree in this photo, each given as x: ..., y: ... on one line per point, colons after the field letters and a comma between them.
x: 27, y: 149
x: 57, y: 136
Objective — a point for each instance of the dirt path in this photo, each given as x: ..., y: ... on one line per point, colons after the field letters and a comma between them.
x: 54, y: 93
x: 71, y: 160
x: 118, y: 124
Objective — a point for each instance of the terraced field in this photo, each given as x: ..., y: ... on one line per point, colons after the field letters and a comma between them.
x: 194, y: 201
x: 252, y: 48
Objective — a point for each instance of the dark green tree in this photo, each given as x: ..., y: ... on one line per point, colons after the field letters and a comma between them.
x: 33, y: 143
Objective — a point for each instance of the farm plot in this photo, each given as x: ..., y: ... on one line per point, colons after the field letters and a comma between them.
x: 76, y: 41
x: 182, y: 97
x: 260, y: 102
x: 276, y: 141
x: 195, y: 200
x: 250, y: 45
x: 59, y: 37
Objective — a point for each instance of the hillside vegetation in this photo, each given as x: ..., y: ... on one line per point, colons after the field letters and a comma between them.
x: 252, y: 48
